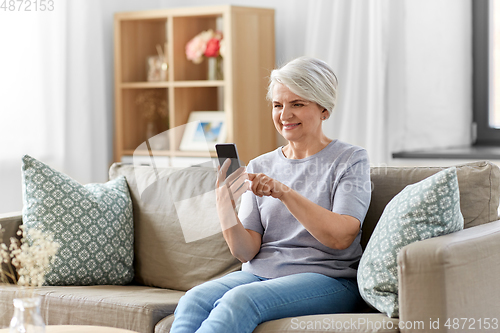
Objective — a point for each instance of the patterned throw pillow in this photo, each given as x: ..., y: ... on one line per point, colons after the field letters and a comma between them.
x: 423, y: 210
x: 92, y: 223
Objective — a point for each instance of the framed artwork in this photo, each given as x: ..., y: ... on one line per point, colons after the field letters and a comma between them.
x: 203, y: 130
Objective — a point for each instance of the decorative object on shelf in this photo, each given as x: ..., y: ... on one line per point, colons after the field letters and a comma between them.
x: 26, y: 262
x: 157, y: 65
x: 154, y: 107
x: 203, y: 130
x: 215, y: 68
x: 208, y: 44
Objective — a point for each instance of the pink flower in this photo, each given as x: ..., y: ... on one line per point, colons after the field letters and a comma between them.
x: 206, y: 43
x: 212, y: 49
x: 195, y: 49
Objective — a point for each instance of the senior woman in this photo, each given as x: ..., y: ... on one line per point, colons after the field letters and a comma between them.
x: 298, y: 228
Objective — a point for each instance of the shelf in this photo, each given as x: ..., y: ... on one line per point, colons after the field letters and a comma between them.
x: 180, y: 153
x: 176, y: 153
x: 168, y: 84
x: 199, y: 83
x: 146, y: 153
x: 248, y: 59
x: 145, y: 85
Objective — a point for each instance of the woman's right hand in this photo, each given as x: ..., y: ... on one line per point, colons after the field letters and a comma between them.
x: 244, y: 244
x: 228, y: 191
x: 237, y: 182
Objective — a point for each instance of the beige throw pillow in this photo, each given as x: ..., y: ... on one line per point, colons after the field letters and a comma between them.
x: 178, y: 243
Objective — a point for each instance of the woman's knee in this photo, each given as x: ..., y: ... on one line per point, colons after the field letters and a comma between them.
x: 211, y: 291
x: 196, y: 296
x: 243, y: 297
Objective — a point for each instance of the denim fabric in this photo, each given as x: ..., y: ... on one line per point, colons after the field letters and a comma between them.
x: 240, y: 301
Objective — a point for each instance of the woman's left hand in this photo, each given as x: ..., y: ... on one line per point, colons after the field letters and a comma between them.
x: 263, y: 185
x: 330, y: 229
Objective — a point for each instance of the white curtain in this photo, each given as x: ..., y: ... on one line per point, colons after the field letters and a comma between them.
x: 352, y: 38
x: 53, y: 104
x: 31, y: 110
x: 56, y: 90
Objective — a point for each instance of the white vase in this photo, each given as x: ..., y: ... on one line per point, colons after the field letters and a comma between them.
x: 27, y: 317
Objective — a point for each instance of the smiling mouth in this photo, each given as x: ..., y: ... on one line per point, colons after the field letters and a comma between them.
x: 290, y: 126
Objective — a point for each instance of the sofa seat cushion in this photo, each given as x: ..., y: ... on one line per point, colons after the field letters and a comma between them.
x: 136, y: 308
x: 345, y: 323
x: 342, y: 322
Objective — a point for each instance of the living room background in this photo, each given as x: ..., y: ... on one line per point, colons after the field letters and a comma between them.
x: 404, y: 67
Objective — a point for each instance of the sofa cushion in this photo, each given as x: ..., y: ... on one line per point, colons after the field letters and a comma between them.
x: 341, y: 323
x: 423, y: 210
x: 92, y: 223
x: 135, y: 308
x: 178, y: 240
x: 479, y: 184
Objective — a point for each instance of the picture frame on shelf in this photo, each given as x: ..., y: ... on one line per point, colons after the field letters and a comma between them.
x: 203, y: 130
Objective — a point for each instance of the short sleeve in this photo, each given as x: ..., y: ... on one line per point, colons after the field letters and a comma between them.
x: 352, y: 193
x: 249, y: 213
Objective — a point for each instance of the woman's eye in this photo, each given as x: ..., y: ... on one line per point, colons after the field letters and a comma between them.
x: 298, y: 104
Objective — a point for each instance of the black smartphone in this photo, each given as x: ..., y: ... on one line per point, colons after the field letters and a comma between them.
x: 225, y: 151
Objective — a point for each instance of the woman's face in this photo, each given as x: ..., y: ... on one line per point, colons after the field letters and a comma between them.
x: 295, y: 118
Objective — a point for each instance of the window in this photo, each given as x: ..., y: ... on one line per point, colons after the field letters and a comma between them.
x: 486, y: 79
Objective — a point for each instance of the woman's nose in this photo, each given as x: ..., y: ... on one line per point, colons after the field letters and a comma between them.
x: 286, y: 113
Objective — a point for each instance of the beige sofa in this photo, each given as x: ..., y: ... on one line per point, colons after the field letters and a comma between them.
x: 443, y: 278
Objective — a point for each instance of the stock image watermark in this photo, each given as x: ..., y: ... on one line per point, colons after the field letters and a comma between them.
x: 463, y: 324
x: 27, y: 5
x: 154, y: 189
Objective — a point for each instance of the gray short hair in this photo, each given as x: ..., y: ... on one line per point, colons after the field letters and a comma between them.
x: 309, y: 78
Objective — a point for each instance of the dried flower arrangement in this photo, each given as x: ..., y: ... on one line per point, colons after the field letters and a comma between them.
x: 152, y: 105
x: 31, y: 257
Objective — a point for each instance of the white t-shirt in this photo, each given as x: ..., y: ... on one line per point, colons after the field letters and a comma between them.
x: 336, y: 178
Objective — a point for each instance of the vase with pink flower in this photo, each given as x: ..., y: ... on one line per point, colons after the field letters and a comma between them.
x: 208, y: 44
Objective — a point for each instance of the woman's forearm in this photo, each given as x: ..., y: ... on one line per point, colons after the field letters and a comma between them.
x: 331, y: 229
x: 244, y: 244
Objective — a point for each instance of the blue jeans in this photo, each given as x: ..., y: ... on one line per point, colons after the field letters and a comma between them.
x: 240, y: 301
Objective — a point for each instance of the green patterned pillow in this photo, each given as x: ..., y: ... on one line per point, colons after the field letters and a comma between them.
x: 423, y: 210
x: 92, y: 223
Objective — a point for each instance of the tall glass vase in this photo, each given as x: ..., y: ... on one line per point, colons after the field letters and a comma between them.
x: 27, y: 317
x: 215, y: 68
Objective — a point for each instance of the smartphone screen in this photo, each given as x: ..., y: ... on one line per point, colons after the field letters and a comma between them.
x: 225, y: 151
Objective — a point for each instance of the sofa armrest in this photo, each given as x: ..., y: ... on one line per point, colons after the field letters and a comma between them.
x: 10, y: 222
x: 452, y: 276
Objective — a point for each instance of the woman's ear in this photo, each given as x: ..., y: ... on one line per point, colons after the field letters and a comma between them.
x: 325, y: 115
